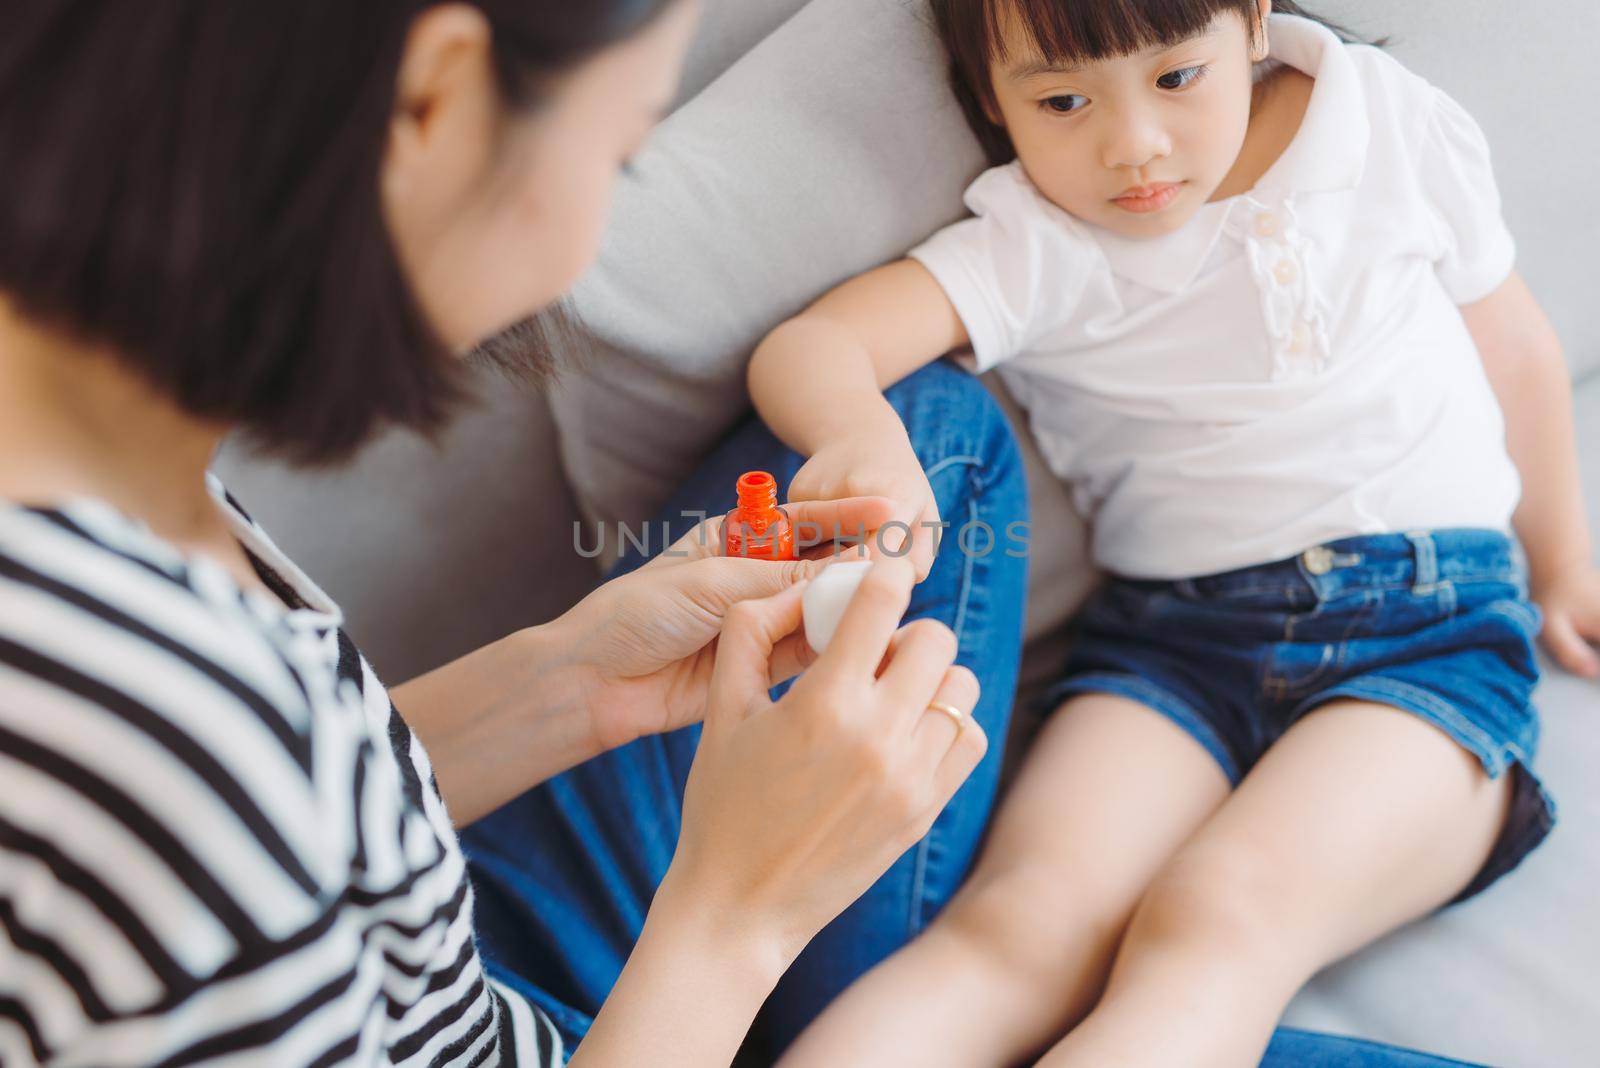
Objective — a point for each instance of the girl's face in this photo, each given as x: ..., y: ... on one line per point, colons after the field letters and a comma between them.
x: 1135, y: 144
x: 496, y: 211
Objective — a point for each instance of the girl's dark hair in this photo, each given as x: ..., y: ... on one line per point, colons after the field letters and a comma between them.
x: 195, y: 184
x: 1071, y: 32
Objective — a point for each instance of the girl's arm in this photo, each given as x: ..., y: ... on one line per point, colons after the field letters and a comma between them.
x: 818, y: 381
x: 1526, y: 367
x: 821, y: 375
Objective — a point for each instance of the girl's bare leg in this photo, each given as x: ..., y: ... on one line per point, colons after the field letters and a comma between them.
x: 1358, y: 820
x: 1108, y: 792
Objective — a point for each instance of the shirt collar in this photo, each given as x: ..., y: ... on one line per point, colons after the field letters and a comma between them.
x: 1328, y: 154
x: 264, y: 553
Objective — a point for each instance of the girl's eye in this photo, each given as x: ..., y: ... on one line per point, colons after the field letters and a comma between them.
x: 1067, y: 104
x: 1179, y: 79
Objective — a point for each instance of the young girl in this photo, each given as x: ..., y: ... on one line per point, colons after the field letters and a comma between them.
x: 1252, y: 282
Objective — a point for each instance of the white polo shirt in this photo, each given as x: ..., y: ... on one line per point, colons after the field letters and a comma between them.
x: 1289, y: 368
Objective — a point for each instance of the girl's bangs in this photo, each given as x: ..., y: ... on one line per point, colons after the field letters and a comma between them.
x: 1074, y: 33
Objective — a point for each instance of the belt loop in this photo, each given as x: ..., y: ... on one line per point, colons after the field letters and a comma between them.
x: 1427, y: 552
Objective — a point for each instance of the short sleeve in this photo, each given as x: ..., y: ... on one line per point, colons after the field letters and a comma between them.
x: 1458, y: 181
x: 1013, y: 271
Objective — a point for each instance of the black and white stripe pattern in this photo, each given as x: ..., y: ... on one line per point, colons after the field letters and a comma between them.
x: 218, y: 841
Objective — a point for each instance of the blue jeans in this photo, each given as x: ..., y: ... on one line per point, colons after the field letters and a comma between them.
x: 1293, y: 1048
x: 565, y: 873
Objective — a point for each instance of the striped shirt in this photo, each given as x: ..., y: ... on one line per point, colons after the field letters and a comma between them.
x: 218, y: 840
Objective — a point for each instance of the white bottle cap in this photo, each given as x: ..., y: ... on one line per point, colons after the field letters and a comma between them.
x: 827, y: 596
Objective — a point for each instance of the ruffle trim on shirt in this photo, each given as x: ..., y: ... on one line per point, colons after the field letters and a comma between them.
x: 1294, y: 309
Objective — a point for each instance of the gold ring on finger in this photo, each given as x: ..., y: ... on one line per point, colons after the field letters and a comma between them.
x: 958, y: 717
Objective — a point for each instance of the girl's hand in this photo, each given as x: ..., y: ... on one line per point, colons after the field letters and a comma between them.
x: 879, y: 463
x: 1571, y: 605
x: 793, y: 809
x: 642, y: 643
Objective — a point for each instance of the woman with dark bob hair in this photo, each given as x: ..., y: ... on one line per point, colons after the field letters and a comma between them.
x: 219, y: 838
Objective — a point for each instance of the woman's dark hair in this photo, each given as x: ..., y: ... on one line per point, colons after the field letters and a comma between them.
x: 1071, y: 32
x: 195, y: 184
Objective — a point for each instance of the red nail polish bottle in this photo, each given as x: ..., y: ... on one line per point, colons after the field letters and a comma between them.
x: 758, y: 528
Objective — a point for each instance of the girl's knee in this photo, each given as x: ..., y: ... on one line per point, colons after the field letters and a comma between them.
x: 1227, y: 896
x: 1035, y: 925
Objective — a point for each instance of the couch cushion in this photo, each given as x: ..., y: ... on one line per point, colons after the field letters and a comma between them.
x: 729, y: 29
x: 1508, y: 977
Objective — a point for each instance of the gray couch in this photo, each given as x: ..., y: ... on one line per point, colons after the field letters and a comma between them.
x: 435, y: 551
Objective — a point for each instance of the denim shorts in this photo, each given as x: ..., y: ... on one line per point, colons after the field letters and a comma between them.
x: 1437, y: 624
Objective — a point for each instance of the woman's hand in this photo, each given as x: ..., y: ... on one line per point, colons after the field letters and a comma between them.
x: 1571, y: 605
x: 878, y: 462
x: 793, y: 809
x: 642, y: 643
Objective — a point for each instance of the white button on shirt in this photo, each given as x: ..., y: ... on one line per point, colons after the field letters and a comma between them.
x: 1291, y: 366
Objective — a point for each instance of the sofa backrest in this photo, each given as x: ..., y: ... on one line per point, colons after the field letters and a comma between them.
x: 729, y: 29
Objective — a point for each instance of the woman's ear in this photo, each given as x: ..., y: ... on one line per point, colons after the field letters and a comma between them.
x: 1260, y: 39
x: 441, y: 133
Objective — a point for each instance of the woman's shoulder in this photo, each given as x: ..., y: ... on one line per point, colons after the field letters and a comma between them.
x: 168, y: 807
x: 196, y: 798
x: 88, y: 595
x: 156, y: 746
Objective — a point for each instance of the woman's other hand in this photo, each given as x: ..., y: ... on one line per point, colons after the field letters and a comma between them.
x: 793, y: 809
